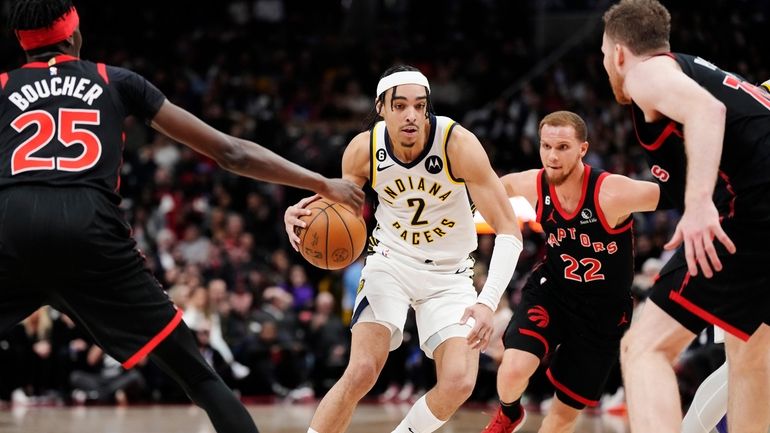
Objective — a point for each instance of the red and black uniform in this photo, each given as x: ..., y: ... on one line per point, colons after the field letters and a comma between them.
x: 63, y: 239
x: 736, y: 298
x: 578, y: 298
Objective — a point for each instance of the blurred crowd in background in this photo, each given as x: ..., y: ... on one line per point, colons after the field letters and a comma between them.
x: 299, y: 78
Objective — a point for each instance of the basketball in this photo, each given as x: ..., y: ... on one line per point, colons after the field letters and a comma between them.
x: 334, y: 236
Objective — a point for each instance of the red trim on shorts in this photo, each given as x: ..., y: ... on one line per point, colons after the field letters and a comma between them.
x: 102, y: 69
x: 536, y: 335
x: 600, y: 213
x: 705, y: 315
x: 571, y: 394
x: 539, y: 195
x: 3, y: 80
x: 153, y: 343
x: 555, y: 197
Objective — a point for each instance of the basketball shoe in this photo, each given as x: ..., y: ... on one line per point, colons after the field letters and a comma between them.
x: 502, y: 424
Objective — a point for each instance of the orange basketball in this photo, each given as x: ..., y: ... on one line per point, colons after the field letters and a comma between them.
x: 334, y: 236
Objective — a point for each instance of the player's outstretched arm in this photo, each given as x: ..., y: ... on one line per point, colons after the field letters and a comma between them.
x: 250, y: 159
x: 469, y: 162
x: 620, y: 196
x: 521, y: 184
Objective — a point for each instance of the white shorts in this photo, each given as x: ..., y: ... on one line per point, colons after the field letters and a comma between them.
x: 438, y: 294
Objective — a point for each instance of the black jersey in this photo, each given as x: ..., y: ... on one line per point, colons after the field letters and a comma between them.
x: 583, y: 252
x: 745, y: 161
x: 61, y: 122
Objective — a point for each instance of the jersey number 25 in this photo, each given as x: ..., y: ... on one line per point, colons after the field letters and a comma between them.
x: 67, y: 133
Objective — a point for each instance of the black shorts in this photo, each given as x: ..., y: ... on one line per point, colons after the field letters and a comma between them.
x: 583, y: 331
x: 737, y: 298
x: 71, y: 248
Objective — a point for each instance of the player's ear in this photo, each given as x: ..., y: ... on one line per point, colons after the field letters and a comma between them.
x: 583, y: 148
x: 620, y: 56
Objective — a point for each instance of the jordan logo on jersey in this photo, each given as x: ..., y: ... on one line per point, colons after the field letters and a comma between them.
x: 551, y: 218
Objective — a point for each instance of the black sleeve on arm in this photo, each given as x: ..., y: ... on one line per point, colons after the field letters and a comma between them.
x: 139, y: 97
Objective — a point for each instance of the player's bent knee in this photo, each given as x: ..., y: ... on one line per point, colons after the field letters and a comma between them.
x: 362, y: 374
x: 517, y: 368
x: 458, y: 386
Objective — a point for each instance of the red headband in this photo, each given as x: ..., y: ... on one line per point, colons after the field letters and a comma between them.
x: 61, y: 29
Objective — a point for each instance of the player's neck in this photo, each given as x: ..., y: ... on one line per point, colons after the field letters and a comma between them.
x: 571, y: 190
x: 46, y: 56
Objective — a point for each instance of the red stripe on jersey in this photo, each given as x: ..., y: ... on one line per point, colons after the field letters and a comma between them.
x: 102, y: 69
x: 3, y: 80
x: 539, y: 195
x: 152, y: 344
x: 555, y: 197
x: 600, y: 213
x: 671, y: 128
x: 569, y: 392
x: 731, y: 190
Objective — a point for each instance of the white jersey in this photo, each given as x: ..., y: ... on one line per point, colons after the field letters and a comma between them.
x: 423, y: 212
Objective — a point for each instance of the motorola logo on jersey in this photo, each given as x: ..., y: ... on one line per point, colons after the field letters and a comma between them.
x: 433, y: 164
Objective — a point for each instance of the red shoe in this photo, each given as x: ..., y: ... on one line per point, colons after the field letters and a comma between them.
x: 500, y: 423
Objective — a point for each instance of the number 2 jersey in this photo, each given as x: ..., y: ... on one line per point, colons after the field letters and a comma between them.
x: 423, y: 211
x: 61, y: 122
x: 745, y: 162
x: 584, y: 254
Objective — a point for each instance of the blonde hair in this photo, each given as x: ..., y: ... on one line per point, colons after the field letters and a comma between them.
x: 643, y: 26
x: 566, y: 118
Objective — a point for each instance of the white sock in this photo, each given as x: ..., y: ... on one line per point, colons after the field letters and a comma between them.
x: 419, y: 419
x: 709, y: 404
x: 310, y: 430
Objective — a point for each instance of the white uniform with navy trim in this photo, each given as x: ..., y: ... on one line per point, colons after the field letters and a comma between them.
x: 421, y: 245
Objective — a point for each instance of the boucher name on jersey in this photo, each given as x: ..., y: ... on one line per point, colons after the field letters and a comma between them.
x: 423, y: 211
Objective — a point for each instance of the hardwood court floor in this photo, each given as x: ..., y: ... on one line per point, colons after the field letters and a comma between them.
x: 276, y: 418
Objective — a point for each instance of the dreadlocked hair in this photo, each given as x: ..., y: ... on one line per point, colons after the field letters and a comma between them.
x: 36, y: 14
x: 373, y: 117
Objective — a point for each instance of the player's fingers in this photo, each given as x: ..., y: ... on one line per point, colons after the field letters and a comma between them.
x: 725, y: 240
x: 474, y: 337
x: 675, y: 241
x: 466, y: 316
x: 689, y: 255
x: 700, y: 256
x: 306, y: 201
x: 711, y: 252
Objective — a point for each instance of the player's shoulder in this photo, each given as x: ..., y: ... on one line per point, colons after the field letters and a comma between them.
x: 360, y: 142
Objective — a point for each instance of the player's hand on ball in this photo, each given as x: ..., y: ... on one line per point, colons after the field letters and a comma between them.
x: 292, y: 221
x: 345, y: 192
x: 479, y: 336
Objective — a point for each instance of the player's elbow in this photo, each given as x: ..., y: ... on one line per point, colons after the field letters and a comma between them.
x: 231, y: 155
x: 717, y: 110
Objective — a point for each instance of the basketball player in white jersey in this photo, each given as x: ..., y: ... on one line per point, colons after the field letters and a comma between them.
x: 422, y: 167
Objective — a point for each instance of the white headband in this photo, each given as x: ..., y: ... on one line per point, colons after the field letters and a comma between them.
x: 399, y: 78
